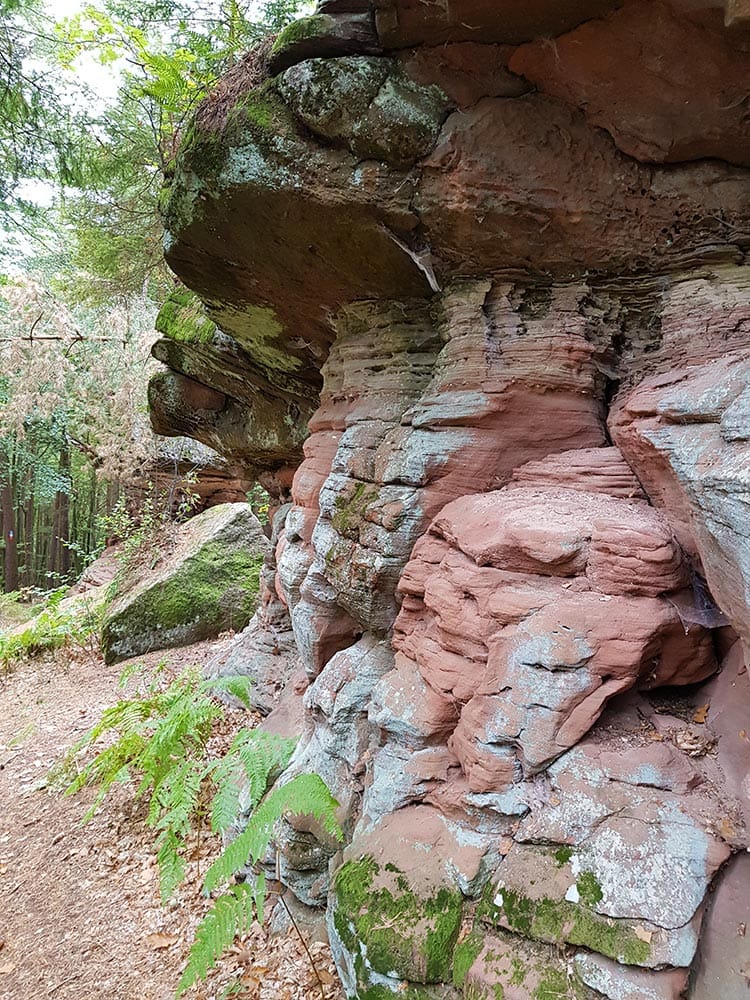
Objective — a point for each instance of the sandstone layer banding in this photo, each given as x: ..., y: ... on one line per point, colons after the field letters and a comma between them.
x: 476, y: 310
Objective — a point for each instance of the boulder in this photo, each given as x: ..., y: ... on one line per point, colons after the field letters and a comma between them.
x: 204, y: 583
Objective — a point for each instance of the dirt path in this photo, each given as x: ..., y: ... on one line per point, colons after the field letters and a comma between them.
x: 80, y: 916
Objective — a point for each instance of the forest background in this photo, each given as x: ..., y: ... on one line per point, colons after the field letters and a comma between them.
x: 92, y: 106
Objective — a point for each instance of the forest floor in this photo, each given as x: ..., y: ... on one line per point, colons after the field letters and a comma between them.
x: 80, y: 915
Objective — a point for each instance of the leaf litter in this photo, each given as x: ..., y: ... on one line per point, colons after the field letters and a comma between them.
x: 80, y: 914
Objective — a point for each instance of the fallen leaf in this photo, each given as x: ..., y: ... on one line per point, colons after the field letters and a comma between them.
x: 643, y: 935
x: 700, y: 714
x: 727, y: 829
x: 158, y: 941
x: 655, y: 736
x: 7, y: 967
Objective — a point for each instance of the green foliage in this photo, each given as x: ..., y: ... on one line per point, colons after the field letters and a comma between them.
x: 307, y: 794
x: 138, y: 530
x: 161, y: 743
x: 232, y: 914
x: 260, y: 500
x: 233, y: 911
x: 77, y: 623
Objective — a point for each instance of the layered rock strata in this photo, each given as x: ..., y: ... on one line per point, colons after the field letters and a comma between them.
x: 476, y: 295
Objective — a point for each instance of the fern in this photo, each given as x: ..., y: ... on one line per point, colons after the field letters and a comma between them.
x: 307, y: 794
x: 171, y: 863
x: 231, y: 914
x: 161, y: 743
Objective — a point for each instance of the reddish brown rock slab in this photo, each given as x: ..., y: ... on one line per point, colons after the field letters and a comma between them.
x: 618, y: 982
x: 548, y: 680
x: 405, y: 707
x: 727, y: 698
x: 625, y: 548
x: 515, y: 968
x: 589, y: 470
x: 531, y: 609
x: 652, y: 846
x: 402, y: 23
x: 420, y: 841
x: 466, y: 71
x: 722, y: 967
x: 507, y: 172
x: 666, y: 88
x: 558, y: 896
x: 347, y: 33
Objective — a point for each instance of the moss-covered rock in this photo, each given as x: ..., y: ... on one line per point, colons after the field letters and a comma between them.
x: 369, y: 105
x: 182, y: 318
x: 323, y: 35
x: 539, y: 896
x: 207, y: 583
x: 394, y: 932
x: 506, y: 967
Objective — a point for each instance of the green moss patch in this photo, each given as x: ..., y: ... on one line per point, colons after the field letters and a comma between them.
x: 508, y: 965
x: 206, y: 578
x: 465, y: 955
x: 351, y: 508
x: 301, y: 30
x: 560, y: 921
x: 403, y: 934
x: 182, y: 318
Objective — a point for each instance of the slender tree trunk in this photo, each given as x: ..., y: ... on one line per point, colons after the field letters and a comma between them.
x: 60, y: 554
x: 29, y: 537
x: 9, y: 536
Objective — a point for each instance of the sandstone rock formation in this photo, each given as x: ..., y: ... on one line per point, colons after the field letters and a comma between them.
x: 206, y: 582
x: 475, y: 285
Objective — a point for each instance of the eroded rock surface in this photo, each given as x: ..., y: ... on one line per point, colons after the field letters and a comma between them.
x: 475, y: 296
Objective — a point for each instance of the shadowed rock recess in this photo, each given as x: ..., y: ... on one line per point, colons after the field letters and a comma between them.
x: 469, y: 294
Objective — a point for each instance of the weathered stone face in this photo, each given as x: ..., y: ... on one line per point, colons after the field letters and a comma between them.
x: 475, y: 272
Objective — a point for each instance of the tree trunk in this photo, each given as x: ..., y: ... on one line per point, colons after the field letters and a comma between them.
x: 9, y: 536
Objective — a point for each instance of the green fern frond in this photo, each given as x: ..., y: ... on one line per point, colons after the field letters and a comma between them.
x: 171, y: 864
x: 262, y: 757
x: 177, y: 798
x: 231, y: 914
x: 225, y: 805
x: 259, y: 895
x: 239, y: 687
x: 307, y: 794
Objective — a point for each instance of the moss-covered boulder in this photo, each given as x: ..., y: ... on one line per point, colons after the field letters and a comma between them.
x: 182, y: 318
x: 396, y: 906
x: 205, y: 582
x: 407, y: 933
x: 541, y: 893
